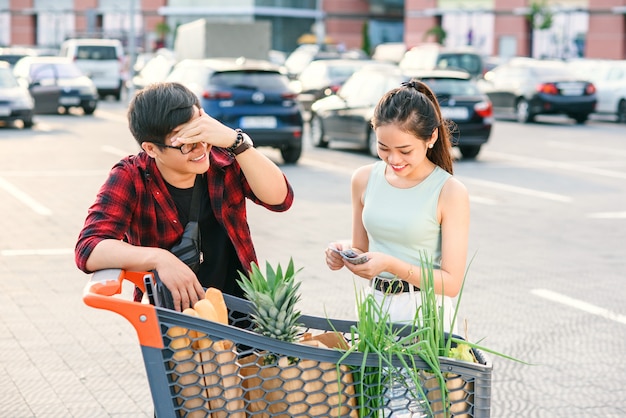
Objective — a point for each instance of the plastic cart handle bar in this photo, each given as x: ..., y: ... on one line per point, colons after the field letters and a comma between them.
x: 100, y: 293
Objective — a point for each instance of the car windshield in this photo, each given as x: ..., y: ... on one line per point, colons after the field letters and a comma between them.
x: 11, y: 59
x: 6, y: 78
x: 43, y: 70
x: 342, y: 71
x: 252, y: 80
x: 96, y: 52
x: 468, y: 62
x: 451, y: 86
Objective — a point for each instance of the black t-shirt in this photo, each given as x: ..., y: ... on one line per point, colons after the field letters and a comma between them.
x: 220, y: 265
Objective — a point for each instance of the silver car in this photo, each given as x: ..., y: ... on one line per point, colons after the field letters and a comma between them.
x: 16, y: 102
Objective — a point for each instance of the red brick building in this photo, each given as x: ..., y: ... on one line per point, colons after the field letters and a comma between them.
x: 593, y: 28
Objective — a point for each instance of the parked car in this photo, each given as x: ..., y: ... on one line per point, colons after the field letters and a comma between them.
x: 304, y: 54
x: 16, y: 102
x: 324, y: 77
x: 249, y: 94
x: 430, y: 56
x: 155, y: 70
x: 609, y: 78
x: 391, y: 52
x: 525, y: 87
x: 102, y: 60
x: 56, y: 83
x: 346, y: 116
x: 13, y: 54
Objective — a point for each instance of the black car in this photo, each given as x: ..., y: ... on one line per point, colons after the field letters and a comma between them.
x: 249, y: 94
x: 56, y: 83
x: 523, y: 88
x: 346, y: 115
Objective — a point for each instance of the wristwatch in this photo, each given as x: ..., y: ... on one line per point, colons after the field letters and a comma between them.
x: 242, y: 143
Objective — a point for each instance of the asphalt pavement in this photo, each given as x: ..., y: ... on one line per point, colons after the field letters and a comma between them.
x: 61, y: 358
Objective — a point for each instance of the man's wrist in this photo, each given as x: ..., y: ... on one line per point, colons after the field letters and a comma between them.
x: 238, y: 141
x: 242, y: 143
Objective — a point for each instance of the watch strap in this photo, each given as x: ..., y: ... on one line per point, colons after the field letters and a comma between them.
x: 242, y: 147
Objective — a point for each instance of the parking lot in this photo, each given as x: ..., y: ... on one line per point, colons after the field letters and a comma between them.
x: 545, y: 283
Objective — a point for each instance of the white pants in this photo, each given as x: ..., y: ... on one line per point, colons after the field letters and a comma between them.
x: 402, y: 307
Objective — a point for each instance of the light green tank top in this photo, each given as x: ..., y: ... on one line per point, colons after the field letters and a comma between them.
x: 403, y: 222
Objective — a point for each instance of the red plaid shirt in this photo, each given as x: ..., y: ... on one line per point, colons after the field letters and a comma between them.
x: 134, y: 205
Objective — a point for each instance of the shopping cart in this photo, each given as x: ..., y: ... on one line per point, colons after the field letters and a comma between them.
x: 200, y: 368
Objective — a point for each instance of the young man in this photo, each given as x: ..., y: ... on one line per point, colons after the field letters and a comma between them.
x: 141, y: 210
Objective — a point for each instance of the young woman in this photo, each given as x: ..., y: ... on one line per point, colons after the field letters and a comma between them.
x: 408, y: 206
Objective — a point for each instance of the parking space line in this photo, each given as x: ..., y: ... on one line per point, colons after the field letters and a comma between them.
x: 482, y: 200
x: 53, y: 173
x: 586, y: 150
x: 326, y: 166
x: 476, y: 199
x: 580, y: 305
x: 519, y: 190
x: 31, y: 252
x: 607, y: 215
x: 24, y: 198
x: 560, y: 165
x: 115, y: 151
x: 114, y: 117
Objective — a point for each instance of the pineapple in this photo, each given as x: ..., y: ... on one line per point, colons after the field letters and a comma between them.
x: 274, y: 297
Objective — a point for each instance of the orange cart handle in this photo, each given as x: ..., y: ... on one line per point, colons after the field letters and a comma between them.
x: 100, y: 292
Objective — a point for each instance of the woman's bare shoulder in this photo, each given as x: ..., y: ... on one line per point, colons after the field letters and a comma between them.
x: 454, y: 190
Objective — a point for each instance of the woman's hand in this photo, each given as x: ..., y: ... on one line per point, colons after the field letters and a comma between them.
x: 375, y: 264
x: 334, y: 261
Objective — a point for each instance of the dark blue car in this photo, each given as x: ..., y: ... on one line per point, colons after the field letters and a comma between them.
x: 249, y: 94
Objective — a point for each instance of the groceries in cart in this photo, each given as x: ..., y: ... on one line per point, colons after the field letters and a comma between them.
x: 214, y: 360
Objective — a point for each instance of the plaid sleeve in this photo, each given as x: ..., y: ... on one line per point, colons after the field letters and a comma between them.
x: 109, y: 216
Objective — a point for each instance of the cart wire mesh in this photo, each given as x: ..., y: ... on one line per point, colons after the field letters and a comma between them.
x: 210, y: 369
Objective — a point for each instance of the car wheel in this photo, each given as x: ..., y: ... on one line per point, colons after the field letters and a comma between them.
x: 89, y: 109
x: 621, y: 112
x: 580, y: 119
x: 372, y: 143
x: 317, y: 132
x: 469, y: 152
x: 291, y: 153
x: 28, y: 123
x: 522, y: 111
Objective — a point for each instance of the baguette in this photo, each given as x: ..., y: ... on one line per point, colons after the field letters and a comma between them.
x: 206, y: 310
x: 215, y: 296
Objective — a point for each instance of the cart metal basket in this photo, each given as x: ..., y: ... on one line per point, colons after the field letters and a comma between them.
x: 200, y: 368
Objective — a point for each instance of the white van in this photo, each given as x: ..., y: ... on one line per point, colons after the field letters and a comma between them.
x: 102, y: 60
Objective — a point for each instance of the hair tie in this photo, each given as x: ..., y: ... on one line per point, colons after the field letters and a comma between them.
x: 410, y: 84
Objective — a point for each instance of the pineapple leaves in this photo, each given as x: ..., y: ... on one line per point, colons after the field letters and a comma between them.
x: 274, y: 297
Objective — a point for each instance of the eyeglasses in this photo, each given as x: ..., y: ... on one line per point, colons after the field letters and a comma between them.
x: 184, y: 149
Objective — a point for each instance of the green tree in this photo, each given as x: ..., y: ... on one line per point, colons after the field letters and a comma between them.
x: 539, y: 17
x: 365, y: 39
x: 438, y: 32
